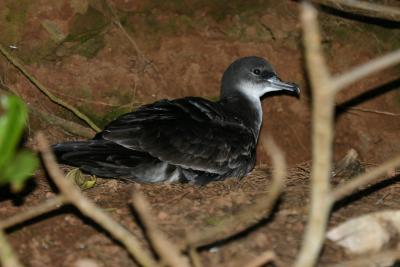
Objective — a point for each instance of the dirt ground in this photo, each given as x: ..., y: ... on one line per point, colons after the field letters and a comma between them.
x: 75, y: 49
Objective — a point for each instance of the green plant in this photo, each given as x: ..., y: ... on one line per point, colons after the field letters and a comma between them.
x: 16, y: 165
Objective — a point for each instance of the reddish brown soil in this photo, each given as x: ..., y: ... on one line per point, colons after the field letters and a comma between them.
x: 189, y: 50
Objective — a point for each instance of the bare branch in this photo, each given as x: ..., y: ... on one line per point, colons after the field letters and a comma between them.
x: 364, y: 179
x: 7, y: 257
x: 243, y: 218
x: 324, y: 89
x: 278, y: 160
x: 45, y: 91
x: 322, y: 136
x: 89, y: 209
x: 357, y: 73
x: 168, y: 252
x: 32, y: 212
x: 262, y: 260
x: 130, y: 39
x: 363, y: 8
x: 380, y: 112
x: 143, y: 59
x: 69, y: 126
x: 194, y: 257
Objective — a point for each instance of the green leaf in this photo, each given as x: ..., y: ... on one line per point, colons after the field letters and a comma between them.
x: 15, y: 166
x: 20, y: 169
x: 12, y: 124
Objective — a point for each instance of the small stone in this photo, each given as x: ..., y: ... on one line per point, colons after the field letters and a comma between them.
x: 49, y: 195
x: 162, y: 215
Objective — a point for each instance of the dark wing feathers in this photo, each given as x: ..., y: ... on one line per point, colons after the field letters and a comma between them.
x: 190, y: 132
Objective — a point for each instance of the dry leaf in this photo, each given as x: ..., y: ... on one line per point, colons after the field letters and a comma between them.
x: 368, y: 233
x: 83, y: 181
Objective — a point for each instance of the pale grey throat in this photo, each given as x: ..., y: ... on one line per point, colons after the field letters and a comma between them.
x: 254, y: 91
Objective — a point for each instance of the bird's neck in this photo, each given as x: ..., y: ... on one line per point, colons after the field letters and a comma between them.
x: 246, y: 108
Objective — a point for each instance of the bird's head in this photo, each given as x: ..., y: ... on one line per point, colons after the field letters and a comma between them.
x: 253, y: 77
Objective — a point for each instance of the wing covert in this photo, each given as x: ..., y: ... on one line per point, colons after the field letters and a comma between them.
x: 190, y: 132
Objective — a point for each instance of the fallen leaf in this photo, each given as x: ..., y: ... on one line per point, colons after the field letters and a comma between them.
x: 83, y: 181
x: 368, y: 233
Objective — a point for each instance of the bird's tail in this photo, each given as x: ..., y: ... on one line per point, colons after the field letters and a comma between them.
x: 80, y: 152
x: 107, y: 159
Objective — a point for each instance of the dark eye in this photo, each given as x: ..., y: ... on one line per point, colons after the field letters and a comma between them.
x: 268, y: 74
x: 257, y: 71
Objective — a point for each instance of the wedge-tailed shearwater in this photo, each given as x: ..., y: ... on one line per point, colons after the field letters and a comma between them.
x: 187, y: 139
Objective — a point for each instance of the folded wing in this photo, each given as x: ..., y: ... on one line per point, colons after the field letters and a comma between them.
x: 192, y: 133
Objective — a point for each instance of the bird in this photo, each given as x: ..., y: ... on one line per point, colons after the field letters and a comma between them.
x: 188, y: 139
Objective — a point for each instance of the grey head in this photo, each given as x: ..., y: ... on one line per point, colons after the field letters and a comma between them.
x: 243, y: 84
x: 253, y: 77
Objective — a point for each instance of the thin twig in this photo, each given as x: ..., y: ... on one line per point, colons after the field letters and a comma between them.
x: 144, y: 60
x: 363, y: 8
x: 89, y: 209
x: 364, y: 179
x: 168, y: 252
x: 117, y: 22
x: 380, y: 112
x: 45, y: 91
x: 195, y: 257
x: 243, y: 218
x: 7, y: 256
x: 3, y: 86
x: 322, y: 136
x: 95, y: 102
x: 32, y: 212
x: 357, y: 73
x: 69, y: 126
x: 261, y: 260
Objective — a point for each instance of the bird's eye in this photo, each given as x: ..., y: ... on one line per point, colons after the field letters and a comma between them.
x: 257, y: 71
